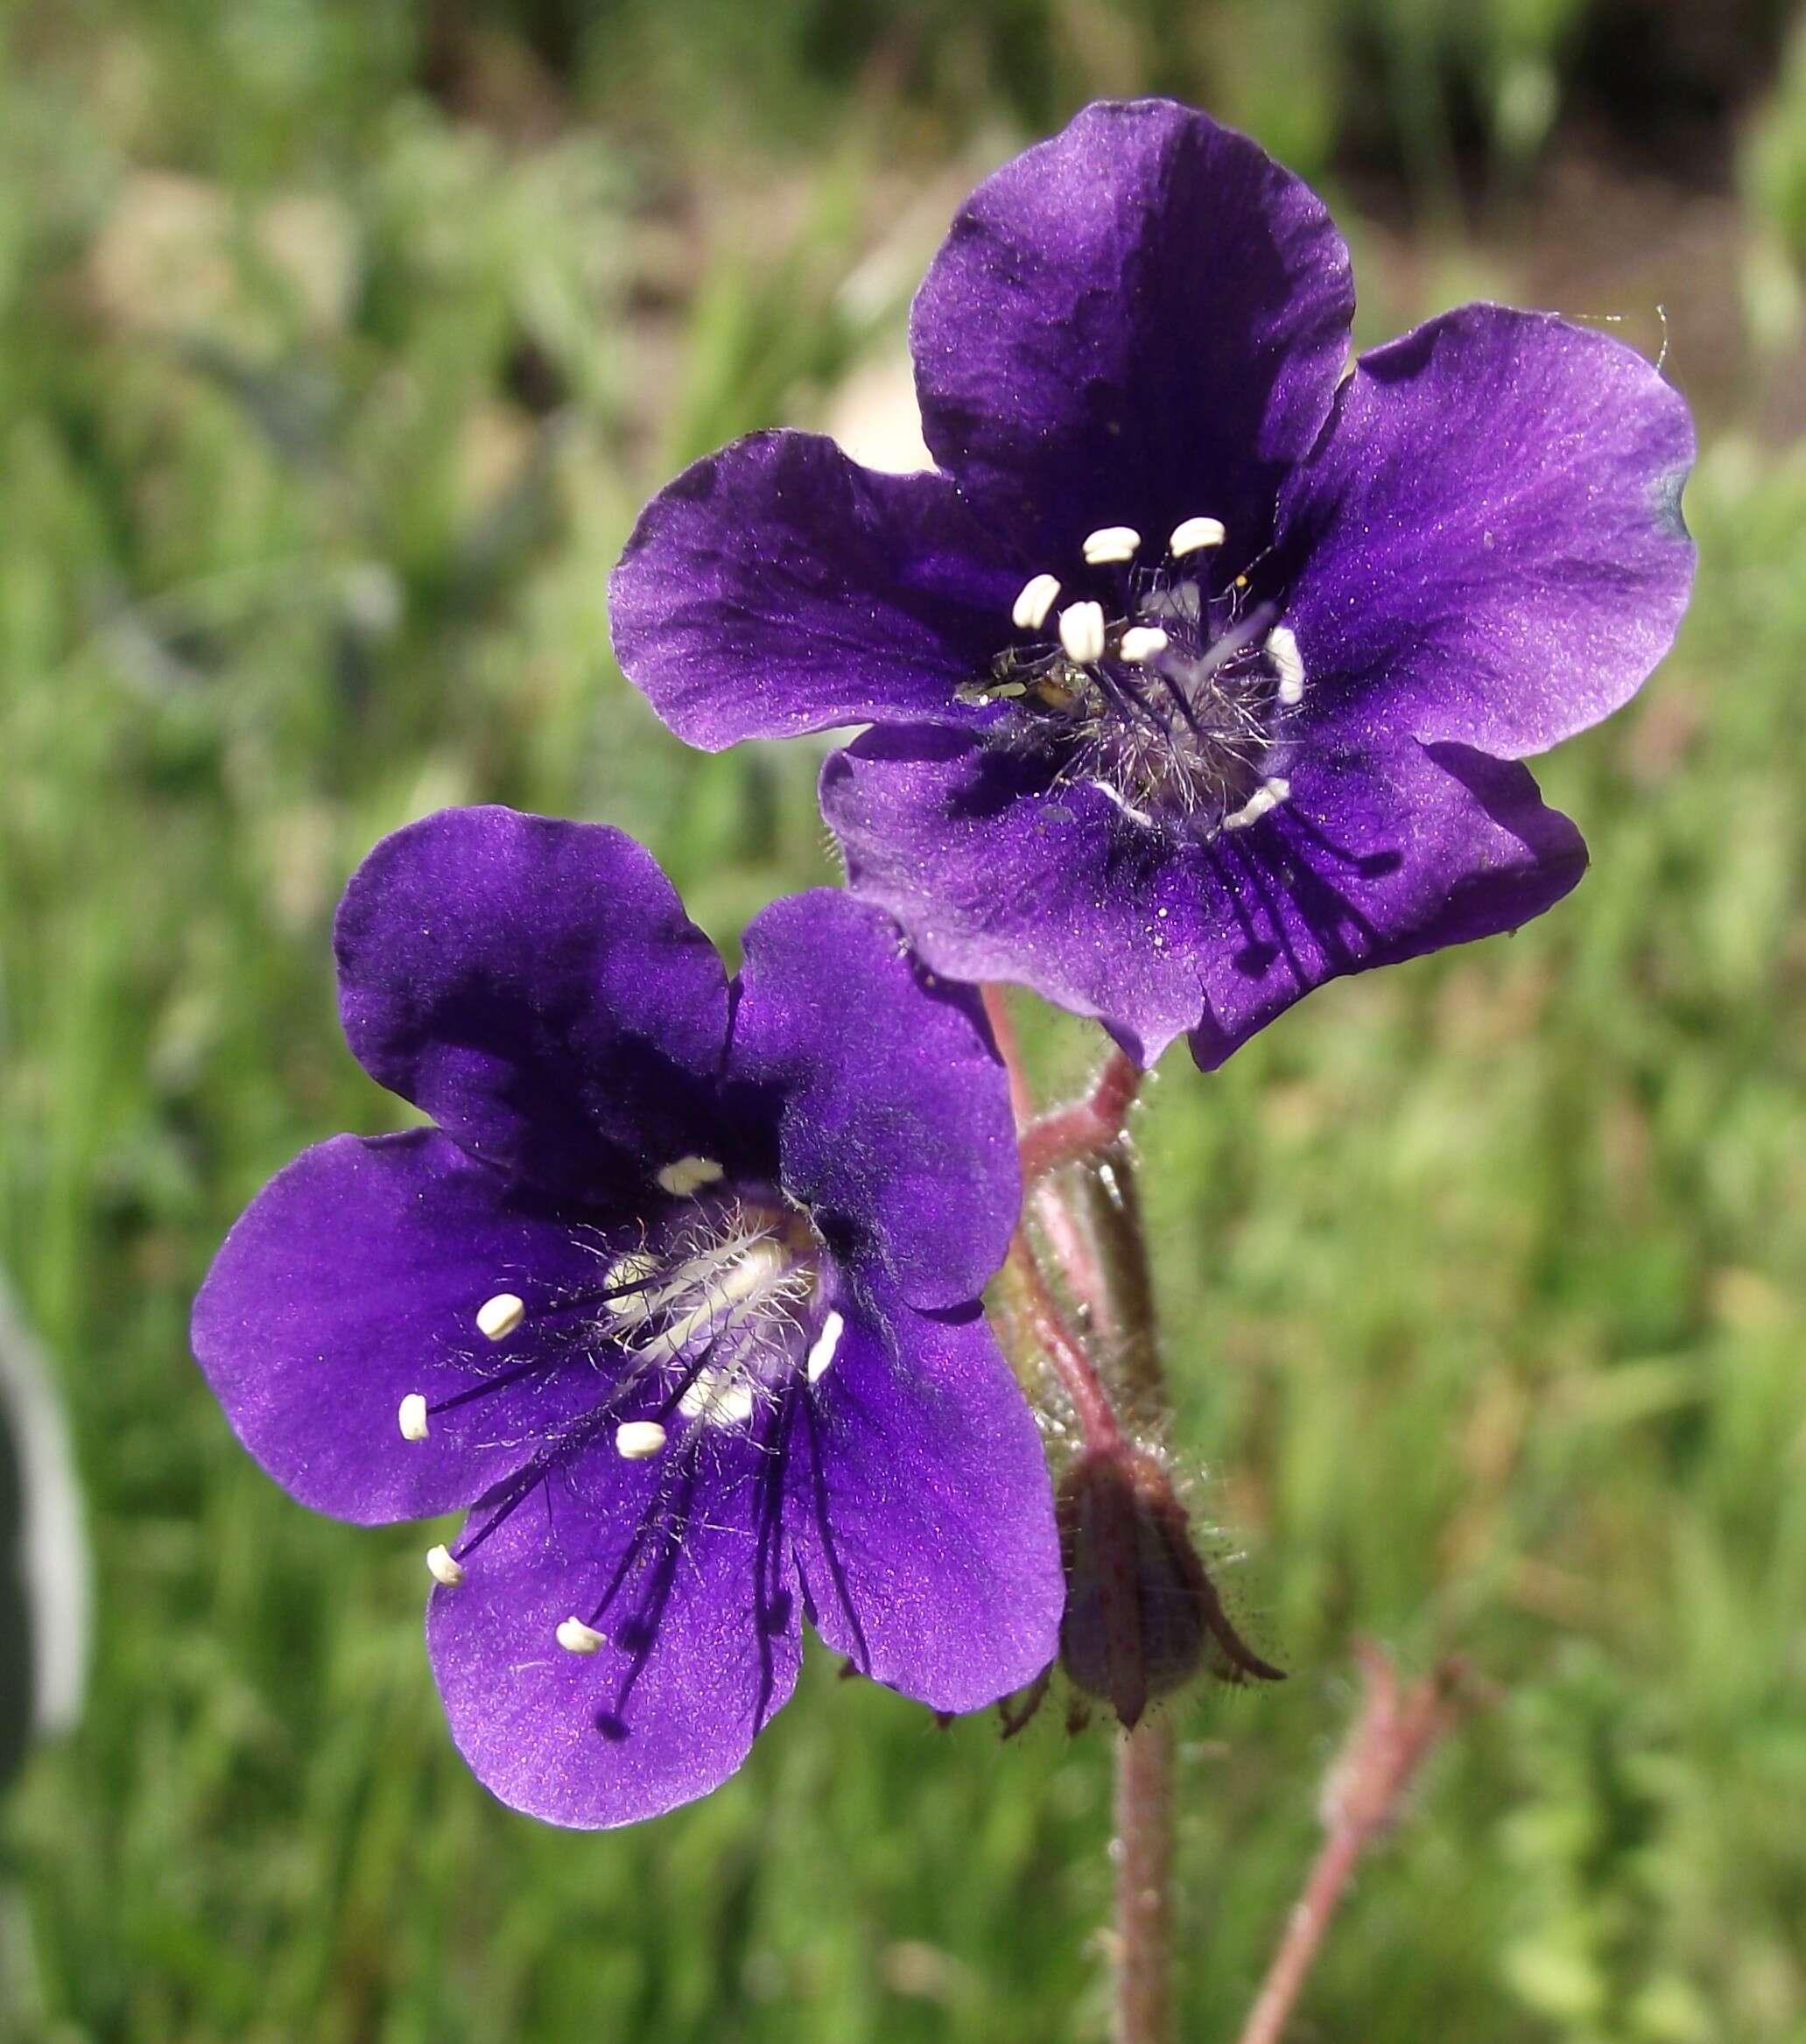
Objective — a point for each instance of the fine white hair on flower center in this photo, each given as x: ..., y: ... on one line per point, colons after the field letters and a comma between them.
x: 716, y: 1313
x: 1170, y: 700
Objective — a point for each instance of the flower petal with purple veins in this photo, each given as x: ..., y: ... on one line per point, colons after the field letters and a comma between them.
x: 1138, y: 322
x: 1488, y: 542
x: 354, y: 1280
x: 778, y: 587
x: 535, y: 987
x: 1373, y: 859
x: 919, y: 1499
x: 896, y: 1132
x: 1365, y: 861
x: 684, y: 1570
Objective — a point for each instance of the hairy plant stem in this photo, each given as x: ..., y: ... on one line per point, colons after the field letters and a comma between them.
x: 1145, y: 1789
x: 1079, y: 1179
x: 1078, y: 1174
x: 1143, y: 1854
x: 1074, y: 1134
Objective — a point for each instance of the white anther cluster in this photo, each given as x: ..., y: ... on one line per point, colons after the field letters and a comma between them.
x: 443, y: 1568
x: 411, y: 1416
x: 719, y: 1317
x: 638, y: 1440
x: 821, y: 1352
x: 1168, y: 711
x: 722, y: 1397
x: 1141, y: 642
x: 575, y: 1637
x: 1193, y: 534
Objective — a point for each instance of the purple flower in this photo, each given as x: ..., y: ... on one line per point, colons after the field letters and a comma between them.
x: 1199, y: 671
x: 678, y: 1296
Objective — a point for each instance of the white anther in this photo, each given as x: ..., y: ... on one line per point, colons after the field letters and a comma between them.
x: 720, y: 1397
x: 443, y: 1569
x: 1082, y: 633
x: 575, y: 1637
x: 687, y: 1175
x: 1288, y: 663
x: 822, y: 1354
x: 1141, y: 642
x: 1112, y: 543
x: 638, y: 1440
x: 412, y: 1418
x: 1265, y: 798
x: 1193, y: 534
x: 497, y: 1318
x: 1031, y: 609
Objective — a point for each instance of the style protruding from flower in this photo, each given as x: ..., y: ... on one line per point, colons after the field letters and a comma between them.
x: 678, y: 1297
x: 1199, y: 670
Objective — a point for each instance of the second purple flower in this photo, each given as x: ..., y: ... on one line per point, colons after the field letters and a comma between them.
x: 1199, y: 671
x: 678, y: 1297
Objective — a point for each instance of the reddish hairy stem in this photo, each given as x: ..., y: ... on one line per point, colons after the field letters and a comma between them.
x: 1144, y: 1871
x: 1064, y: 1353
x: 1073, y: 1251
x: 1087, y: 1127
x: 1143, y: 1846
x: 1009, y: 1049
x: 1395, y: 1734
x: 1146, y: 1799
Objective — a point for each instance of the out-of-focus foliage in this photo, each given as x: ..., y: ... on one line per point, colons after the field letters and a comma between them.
x: 338, y: 346
x: 1775, y: 182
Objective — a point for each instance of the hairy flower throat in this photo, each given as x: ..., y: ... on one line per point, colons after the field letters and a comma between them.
x: 1169, y: 696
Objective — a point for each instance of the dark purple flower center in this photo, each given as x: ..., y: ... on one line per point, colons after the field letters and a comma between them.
x: 1167, y: 691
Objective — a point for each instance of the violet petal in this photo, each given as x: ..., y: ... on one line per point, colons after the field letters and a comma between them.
x: 778, y: 587
x: 538, y: 989
x: 352, y: 1282
x: 1488, y: 541
x: 922, y: 1514
x: 1372, y: 859
x: 896, y: 1130
x: 681, y: 1564
x: 1140, y: 321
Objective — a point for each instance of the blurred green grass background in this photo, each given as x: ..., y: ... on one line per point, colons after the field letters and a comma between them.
x: 338, y: 346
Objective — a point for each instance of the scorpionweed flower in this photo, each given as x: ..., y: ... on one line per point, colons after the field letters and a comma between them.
x: 678, y: 1296
x: 1198, y: 670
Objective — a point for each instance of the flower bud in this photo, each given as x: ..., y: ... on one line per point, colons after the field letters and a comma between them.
x: 1143, y: 1617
